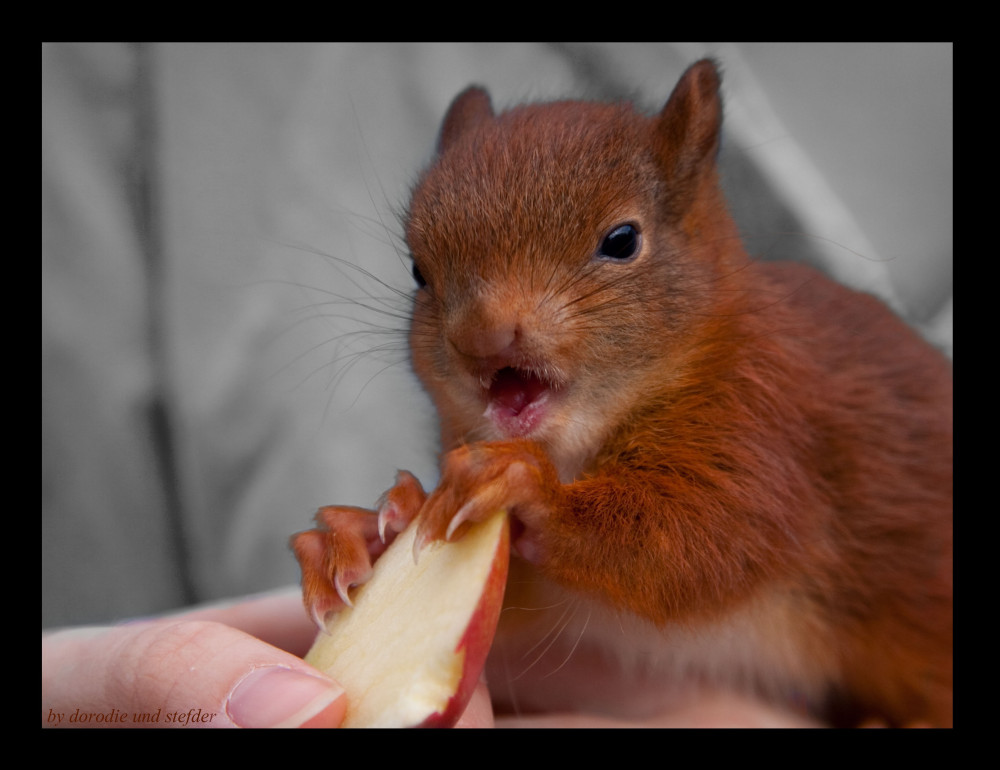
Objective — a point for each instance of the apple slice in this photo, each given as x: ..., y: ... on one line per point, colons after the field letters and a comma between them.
x: 410, y: 651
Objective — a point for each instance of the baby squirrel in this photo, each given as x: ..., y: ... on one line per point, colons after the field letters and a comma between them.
x: 724, y: 475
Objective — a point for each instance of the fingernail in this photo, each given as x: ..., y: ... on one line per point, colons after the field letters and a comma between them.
x: 275, y: 696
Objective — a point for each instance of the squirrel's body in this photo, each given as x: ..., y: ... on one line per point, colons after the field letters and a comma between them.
x: 724, y: 474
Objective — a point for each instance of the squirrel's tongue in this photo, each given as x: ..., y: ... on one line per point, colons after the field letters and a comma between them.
x: 513, y: 390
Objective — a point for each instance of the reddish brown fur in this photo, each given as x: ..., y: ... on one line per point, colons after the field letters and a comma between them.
x: 751, y: 429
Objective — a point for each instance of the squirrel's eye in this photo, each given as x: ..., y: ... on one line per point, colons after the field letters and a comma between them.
x: 418, y: 276
x: 621, y: 244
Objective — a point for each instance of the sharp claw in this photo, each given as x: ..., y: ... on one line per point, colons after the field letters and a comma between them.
x: 342, y: 591
x: 318, y: 619
x: 419, y: 542
x: 382, y: 522
x: 458, y: 519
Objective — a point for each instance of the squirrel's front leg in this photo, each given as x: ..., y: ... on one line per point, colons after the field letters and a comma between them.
x: 340, y: 552
x: 479, y: 479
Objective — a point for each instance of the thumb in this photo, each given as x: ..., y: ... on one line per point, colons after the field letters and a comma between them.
x: 193, y: 673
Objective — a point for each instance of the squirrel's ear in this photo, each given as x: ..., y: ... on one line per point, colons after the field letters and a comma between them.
x: 469, y: 108
x: 689, y: 125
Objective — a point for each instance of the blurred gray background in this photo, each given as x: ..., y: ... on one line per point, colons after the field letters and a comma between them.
x: 222, y: 316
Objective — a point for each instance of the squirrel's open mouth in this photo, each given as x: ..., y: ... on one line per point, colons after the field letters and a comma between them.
x: 516, y: 399
x: 514, y: 389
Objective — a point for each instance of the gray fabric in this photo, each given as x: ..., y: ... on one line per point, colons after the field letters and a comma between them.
x: 205, y: 210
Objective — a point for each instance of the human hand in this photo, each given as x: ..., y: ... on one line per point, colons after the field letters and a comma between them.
x: 238, y: 665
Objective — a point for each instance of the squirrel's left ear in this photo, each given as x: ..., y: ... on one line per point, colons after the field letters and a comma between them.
x: 689, y: 125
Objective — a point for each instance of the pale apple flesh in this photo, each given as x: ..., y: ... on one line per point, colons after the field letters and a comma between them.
x: 410, y: 650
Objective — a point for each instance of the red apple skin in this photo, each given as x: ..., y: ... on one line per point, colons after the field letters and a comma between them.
x: 478, y: 637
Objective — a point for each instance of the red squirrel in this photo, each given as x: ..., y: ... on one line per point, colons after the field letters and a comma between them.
x: 724, y: 475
